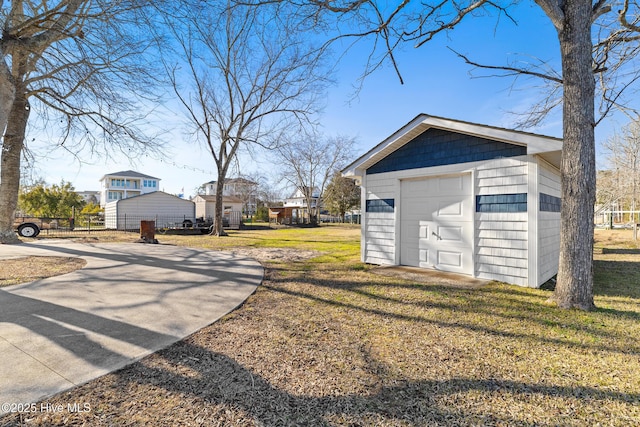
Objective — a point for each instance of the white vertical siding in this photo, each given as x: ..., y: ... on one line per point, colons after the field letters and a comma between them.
x: 127, y: 213
x: 548, y: 225
x: 502, y: 237
x: 209, y: 210
x: 156, y: 204
x: 379, y: 235
x: 201, y: 207
x: 111, y: 215
x: 204, y: 208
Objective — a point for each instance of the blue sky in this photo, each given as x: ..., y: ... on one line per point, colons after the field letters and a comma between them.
x: 436, y: 83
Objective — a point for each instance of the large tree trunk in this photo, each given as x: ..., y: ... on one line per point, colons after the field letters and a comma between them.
x: 10, y: 166
x: 7, y: 94
x: 575, y: 276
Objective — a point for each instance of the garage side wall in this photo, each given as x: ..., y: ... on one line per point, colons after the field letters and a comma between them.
x: 501, y: 230
x: 548, y: 222
x: 111, y: 215
x: 205, y: 208
x: 152, y: 205
x: 158, y: 206
x: 201, y: 207
x: 379, y: 224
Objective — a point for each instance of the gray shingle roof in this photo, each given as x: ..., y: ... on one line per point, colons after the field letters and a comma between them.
x: 131, y: 174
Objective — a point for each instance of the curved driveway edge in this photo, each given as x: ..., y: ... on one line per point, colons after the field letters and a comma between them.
x: 130, y: 300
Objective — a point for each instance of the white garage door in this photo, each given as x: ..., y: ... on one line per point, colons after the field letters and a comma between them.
x: 436, y: 225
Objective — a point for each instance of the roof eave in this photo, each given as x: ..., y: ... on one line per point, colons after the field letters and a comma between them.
x: 535, y: 144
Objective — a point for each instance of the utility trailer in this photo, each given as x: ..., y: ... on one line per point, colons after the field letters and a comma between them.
x: 27, y: 229
x: 188, y: 226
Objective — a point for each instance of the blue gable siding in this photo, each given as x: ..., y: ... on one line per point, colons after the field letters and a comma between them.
x: 436, y: 147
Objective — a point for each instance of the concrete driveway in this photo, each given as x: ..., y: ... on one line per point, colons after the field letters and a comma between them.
x: 127, y: 302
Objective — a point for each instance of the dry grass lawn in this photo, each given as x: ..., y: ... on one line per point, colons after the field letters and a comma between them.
x: 27, y: 269
x: 326, y: 342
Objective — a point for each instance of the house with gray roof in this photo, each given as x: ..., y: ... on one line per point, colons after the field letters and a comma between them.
x: 125, y: 184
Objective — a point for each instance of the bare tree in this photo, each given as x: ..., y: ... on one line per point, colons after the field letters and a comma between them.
x: 606, y: 57
x: 608, y: 191
x: 269, y: 193
x: 74, y: 66
x: 245, y: 188
x: 247, y: 191
x: 248, y: 77
x: 624, y: 158
x: 309, y: 162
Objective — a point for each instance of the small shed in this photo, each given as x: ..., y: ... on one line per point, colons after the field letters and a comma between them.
x: 159, y: 206
x: 462, y: 197
x: 285, y: 214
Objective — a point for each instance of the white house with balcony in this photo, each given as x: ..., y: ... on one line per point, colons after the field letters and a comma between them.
x: 299, y: 205
x: 125, y: 184
x: 240, y: 188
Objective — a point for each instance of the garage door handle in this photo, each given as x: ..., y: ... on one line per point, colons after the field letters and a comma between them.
x: 437, y: 236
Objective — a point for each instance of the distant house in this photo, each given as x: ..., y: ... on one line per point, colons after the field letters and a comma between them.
x: 241, y: 188
x: 125, y: 184
x: 158, y: 206
x: 232, y: 208
x: 462, y: 197
x: 298, y: 204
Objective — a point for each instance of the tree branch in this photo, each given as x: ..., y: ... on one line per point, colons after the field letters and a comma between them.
x: 510, y: 70
x: 553, y: 9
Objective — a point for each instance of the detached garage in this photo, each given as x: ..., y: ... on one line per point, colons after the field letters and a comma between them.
x: 163, y: 208
x: 462, y: 197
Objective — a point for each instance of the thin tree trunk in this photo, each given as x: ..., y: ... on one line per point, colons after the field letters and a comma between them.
x: 10, y: 167
x: 633, y: 200
x: 218, y: 229
x: 575, y: 276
